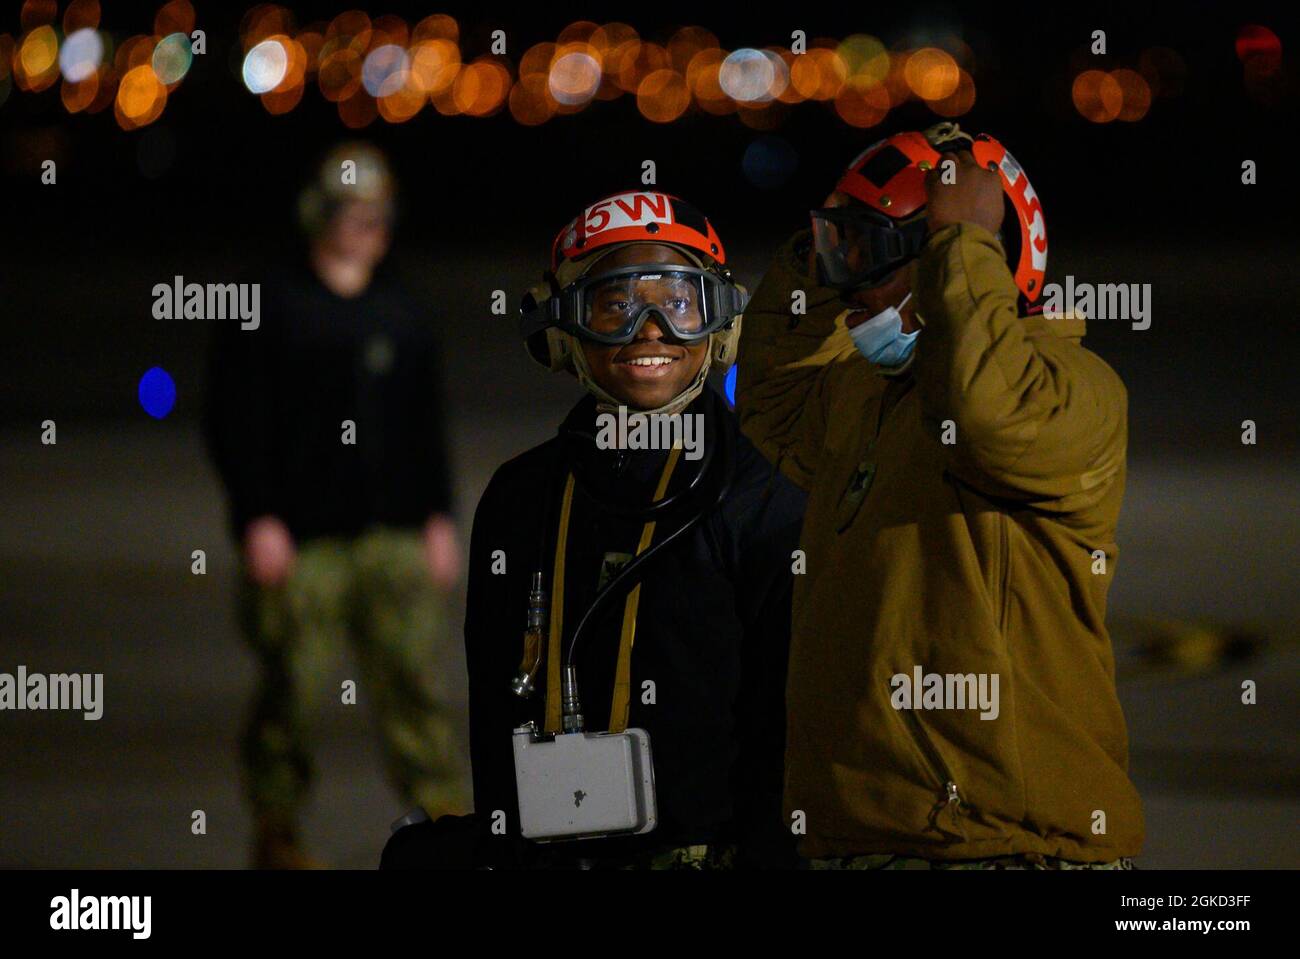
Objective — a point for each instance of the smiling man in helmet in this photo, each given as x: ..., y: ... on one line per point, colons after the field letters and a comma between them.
x: 690, y: 645
x: 951, y: 693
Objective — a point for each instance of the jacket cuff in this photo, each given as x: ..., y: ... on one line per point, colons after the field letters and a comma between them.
x: 961, y: 265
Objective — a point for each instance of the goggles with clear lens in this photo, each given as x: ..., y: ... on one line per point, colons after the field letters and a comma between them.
x: 687, y: 303
x: 856, y: 248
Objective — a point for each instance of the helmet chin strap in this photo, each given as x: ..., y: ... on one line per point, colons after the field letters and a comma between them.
x: 607, y: 403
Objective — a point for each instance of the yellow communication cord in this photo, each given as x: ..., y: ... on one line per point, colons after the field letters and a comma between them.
x: 623, y: 672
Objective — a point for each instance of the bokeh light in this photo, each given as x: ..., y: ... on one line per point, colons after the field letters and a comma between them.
x: 769, y: 162
x: 36, y: 13
x: 434, y: 65
x: 141, y: 98
x: 172, y: 58
x: 384, y: 70
x: 932, y: 74
x: 81, y: 54
x: 638, y: 63
x: 157, y: 392
x: 339, y: 76
x: 36, y: 64
x: 481, y: 88
x: 575, y: 76
x: 175, y: 16
x: 862, y: 55
x: 663, y: 96
x: 1260, y: 46
x: 1097, y: 96
x: 1164, y: 71
x: 960, y: 101
x: 80, y: 15
x: 1136, y: 95
x: 819, y: 74
x: 358, y: 110
x: 80, y: 95
x: 747, y: 76
x: 265, y: 65
x: 862, y: 102
x: 703, y: 80
x: 531, y: 102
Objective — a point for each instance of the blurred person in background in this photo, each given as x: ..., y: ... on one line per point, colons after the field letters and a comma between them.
x: 326, y: 426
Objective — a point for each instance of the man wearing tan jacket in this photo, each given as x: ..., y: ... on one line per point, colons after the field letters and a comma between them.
x: 951, y: 696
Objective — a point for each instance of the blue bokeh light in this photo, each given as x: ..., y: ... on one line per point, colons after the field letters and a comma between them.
x: 729, y: 386
x: 769, y: 162
x: 157, y: 392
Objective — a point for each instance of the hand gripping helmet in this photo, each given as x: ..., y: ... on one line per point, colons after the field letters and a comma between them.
x: 698, y: 302
x: 860, y: 244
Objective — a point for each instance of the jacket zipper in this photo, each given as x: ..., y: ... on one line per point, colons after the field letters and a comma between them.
x: 952, y: 795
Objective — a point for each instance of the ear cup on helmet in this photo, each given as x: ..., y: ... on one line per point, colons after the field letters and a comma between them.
x: 553, y: 349
x: 726, y: 343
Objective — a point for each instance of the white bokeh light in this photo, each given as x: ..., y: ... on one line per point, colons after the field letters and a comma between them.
x: 265, y: 66
x: 81, y: 55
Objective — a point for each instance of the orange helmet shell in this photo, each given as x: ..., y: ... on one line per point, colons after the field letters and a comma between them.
x: 637, y: 217
x: 889, y: 177
x: 1031, y: 258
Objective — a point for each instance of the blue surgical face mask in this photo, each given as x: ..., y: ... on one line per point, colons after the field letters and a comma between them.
x: 881, y: 339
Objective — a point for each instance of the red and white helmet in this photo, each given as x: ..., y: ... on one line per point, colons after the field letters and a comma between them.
x: 638, y: 217
x: 888, y: 178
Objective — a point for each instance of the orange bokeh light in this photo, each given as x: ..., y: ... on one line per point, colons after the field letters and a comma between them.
x: 818, y: 74
x: 263, y: 21
x: 530, y: 100
x: 141, y: 97
x: 280, y: 101
x: 36, y: 64
x: 1136, y: 93
x: 437, y: 27
x: 704, y: 80
x: 401, y: 105
x: 960, y: 101
x: 175, y: 16
x: 636, y: 65
x: 351, y: 29
x: 1097, y: 96
x: 481, y: 88
x: 358, y: 110
x: 339, y: 76
x: 80, y: 95
x: 932, y: 74
x: 662, y: 96
x: 390, y: 28
x: 686, y: 43
x: 81, y: 14
x: 36, y: 13
x: 579, y: 32
x: 434, y: 65
x: 862, y: 103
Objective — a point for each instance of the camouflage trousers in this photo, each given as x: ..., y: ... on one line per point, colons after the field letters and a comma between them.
x: 1021, y: 861
x: 371, y: 594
